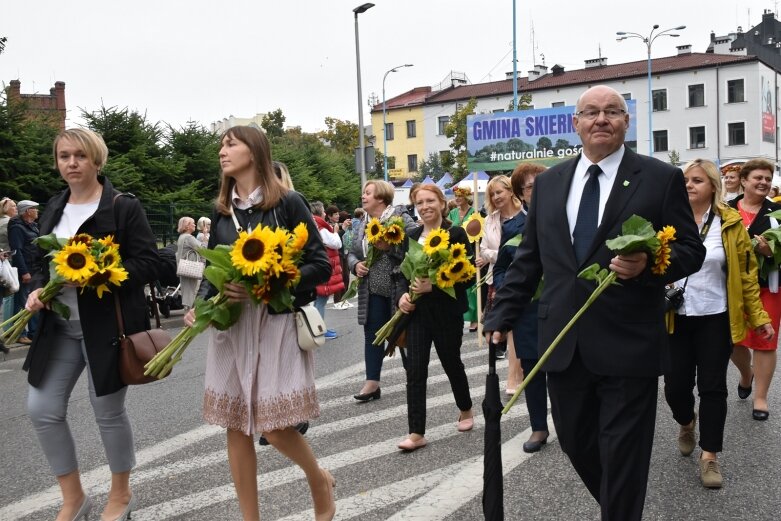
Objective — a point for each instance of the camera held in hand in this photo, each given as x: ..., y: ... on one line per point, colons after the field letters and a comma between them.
x: 673, y: 298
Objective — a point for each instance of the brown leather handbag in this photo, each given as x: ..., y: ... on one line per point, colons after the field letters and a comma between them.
x: 139, y: 348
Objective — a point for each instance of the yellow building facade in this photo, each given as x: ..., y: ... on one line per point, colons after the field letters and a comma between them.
x: 406, y: 134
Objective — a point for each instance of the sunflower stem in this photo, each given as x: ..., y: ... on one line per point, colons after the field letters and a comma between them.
x: 610, y: 279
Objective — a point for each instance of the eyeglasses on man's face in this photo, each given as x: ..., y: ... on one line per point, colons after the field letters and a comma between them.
x: 591, y: 114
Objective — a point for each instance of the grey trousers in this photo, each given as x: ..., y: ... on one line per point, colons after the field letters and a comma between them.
x: 47, y: 406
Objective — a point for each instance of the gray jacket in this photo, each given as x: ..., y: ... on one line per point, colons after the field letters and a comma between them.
x: 396, y: 253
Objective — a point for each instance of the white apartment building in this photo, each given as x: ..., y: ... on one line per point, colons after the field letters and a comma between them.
x: 705, y: 105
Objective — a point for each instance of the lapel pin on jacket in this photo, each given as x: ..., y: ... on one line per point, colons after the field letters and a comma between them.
x: 626, y: 183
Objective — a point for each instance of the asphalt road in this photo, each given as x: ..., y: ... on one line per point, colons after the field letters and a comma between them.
x: 182, y: 470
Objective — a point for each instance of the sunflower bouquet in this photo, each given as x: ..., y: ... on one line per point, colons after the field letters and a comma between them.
x: 81, y: 261
x: 773, y: 236
x: 265, y: 261
x: 436, y: 259
x: 380, y: 235
x: 637, y: 235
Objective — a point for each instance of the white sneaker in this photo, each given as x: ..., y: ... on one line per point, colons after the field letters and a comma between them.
x: 340, y: 305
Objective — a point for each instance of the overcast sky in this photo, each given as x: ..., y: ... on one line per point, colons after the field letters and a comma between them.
x: 205, y: 60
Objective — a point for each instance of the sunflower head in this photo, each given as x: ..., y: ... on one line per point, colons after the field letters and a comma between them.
x: 662, y: 254
x: 443, y: 279
x: 81, y: 238
x: 475, y: 227
x: 300, y: 236
x: 109, y: 257
x: 374, y: 231
x: 394, y: 234
x: 101, y: 279
x: 108, y: 241
x: 457, y: 251
x: 256, y: 251
x: 74, y: 262
x: 437, y: 239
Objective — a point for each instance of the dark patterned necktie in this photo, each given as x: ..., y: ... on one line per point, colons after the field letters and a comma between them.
x: 588, y: 215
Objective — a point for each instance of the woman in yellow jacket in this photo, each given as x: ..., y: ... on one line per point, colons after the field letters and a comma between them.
x: 719, y: 303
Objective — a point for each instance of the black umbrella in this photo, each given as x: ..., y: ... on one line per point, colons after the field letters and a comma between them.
x: 493, y: 484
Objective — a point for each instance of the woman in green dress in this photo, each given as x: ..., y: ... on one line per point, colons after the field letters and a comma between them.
x: 457, y: 216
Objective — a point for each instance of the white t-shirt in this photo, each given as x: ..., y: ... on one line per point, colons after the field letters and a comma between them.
x: 73, y: 216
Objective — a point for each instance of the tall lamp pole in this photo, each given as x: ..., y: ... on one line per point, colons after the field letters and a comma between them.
x: 649, y: 40
x: 384, y: 124
x: 361, y: 152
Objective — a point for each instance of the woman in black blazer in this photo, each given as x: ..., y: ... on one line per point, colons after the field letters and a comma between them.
x: 62, y: 349
x: 437, y: 318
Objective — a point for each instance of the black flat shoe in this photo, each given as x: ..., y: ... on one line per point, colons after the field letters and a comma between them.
x: 744, y: 392
x: 534, y: 446
x: 365, y: 397
x: 760, y: 415
x: 300, y: 427
x: 473, y: 329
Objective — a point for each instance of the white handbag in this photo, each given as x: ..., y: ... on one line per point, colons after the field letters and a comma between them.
x: 310, y: 328
x: 9, y: 278
x: 191, y: 269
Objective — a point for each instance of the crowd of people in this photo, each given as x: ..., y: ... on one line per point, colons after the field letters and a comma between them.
x: 602, y: 380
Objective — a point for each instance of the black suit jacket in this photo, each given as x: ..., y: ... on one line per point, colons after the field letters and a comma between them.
x: 623, y: 332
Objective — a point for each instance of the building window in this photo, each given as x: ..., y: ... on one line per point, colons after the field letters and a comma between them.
x: 411, y: 130
x: 442, y: 122
x: 660, y: 99
x: 557, y: 104
x: 627, y: 95
x: 736, y: 133
x: 412, y: 163
x: 696, y: 137
x: 735, y: 91
x: 660, y: 141
x: 495, y: 111
x: 697, y: 95
x: 389, y: 131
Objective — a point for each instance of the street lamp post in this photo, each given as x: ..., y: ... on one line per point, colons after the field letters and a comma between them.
x: 362, y: 159
x: 384, y: 124
x: 649, y: 40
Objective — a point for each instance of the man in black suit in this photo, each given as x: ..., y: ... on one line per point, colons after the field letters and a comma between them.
x: 603, y: 376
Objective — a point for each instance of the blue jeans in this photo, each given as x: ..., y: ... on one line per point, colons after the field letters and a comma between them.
x: 20, y: 299
x: 320, y: 303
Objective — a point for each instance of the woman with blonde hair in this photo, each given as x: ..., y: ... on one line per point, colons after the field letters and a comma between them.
x: 62, y: 349
x: 720, y: 305
x: 187, y: 249
x: 204, y: 227
x: 376, y: 297
x: 501, y: 204
x: 257, y: 379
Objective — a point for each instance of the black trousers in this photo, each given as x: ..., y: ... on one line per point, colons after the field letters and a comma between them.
x: 700, y: 347
x: 536, y: 396
x: 444, y: 327
x: 605, y: 425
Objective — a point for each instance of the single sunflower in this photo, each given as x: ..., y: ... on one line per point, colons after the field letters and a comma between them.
x: 457, y: 251
x: 437, y: 239
x: 74, y: 262
x: 255, y: 252
x: 444, y: 280
x: 101, y: 279
x: 374, y: 230
x: 300, y: 236
x: 394, y: 234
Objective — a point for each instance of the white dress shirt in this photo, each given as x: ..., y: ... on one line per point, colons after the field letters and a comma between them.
x: 706, y: 290
x: 609, y: 167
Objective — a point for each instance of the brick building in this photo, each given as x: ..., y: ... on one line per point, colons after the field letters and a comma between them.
x: 50, y: 106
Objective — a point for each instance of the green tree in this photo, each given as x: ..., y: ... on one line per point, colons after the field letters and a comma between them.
x: 342, y: 135
x: 273, y: 124
x: 26, y: 162
x: 431, y: 166
x: 675, y: 157
x: 544, y: 142
x: 456, y: 130
x: 524, y: 102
